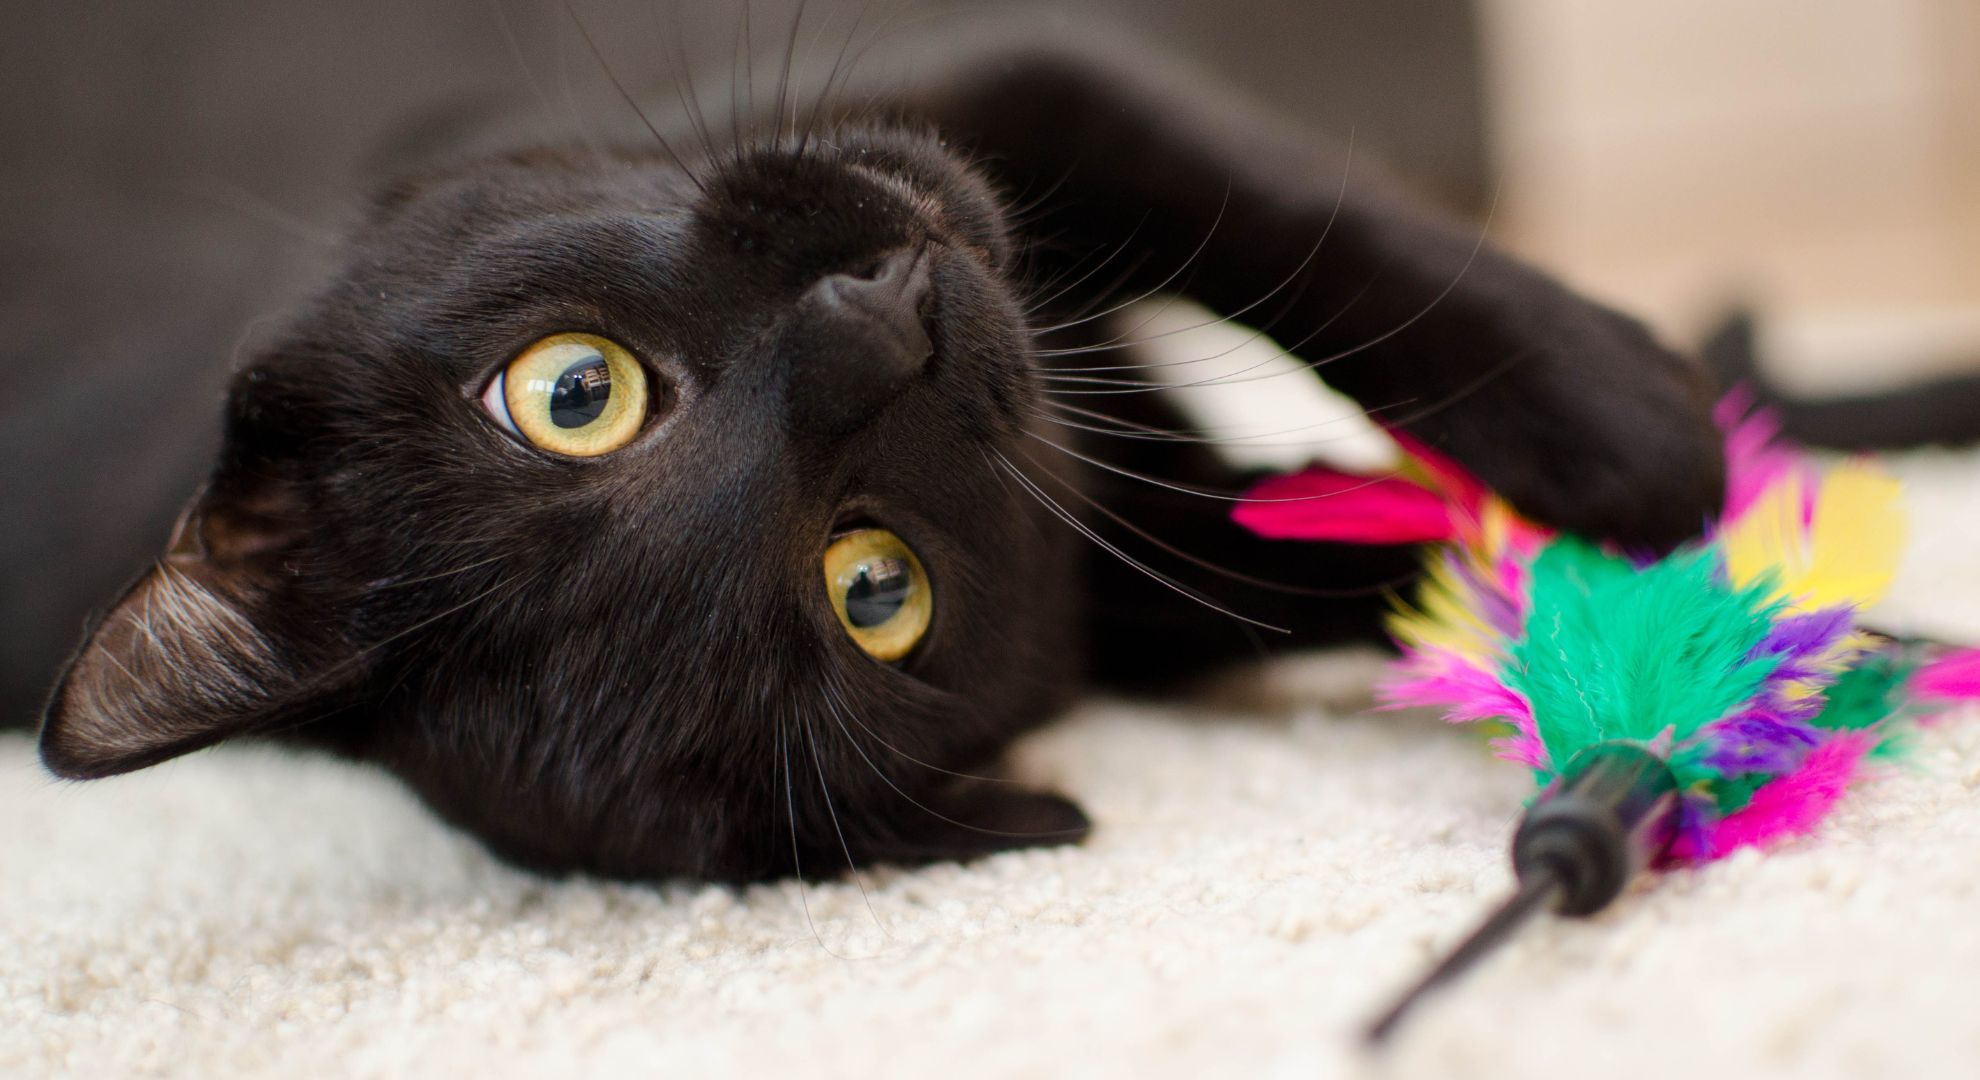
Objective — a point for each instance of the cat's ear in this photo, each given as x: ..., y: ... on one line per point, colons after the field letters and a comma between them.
x: 210, y: 643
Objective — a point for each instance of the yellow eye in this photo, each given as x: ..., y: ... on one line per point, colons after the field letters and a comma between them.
x: 879, y: 591
x: 575, y: 394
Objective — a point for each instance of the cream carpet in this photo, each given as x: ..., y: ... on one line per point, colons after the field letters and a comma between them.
x: 1270, y: 862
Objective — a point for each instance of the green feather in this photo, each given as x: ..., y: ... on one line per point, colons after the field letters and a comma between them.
x: 1730, y: 793
x: 1613, y: 651
x: 1867, y: 694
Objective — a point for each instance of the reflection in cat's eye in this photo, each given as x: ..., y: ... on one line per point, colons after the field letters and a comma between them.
x: 574, y: 394
x: 879, y: 591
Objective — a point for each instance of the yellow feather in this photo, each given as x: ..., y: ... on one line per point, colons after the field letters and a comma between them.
x: 1445, y: 619
x: 1848, y: 553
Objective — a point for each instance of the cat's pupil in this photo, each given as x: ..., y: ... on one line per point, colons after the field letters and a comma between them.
x: 878, y: 592
x: 581, y: 392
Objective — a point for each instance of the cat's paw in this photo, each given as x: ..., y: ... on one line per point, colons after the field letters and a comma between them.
x: 1594, y: 428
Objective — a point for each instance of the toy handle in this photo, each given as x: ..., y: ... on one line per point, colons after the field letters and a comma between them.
x: 1608, y: 816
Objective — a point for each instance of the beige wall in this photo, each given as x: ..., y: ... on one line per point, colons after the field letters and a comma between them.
x: 1823, y: 154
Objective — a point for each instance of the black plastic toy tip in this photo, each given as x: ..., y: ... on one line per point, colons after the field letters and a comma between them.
x: 1534, y: 893
x: 1609, y: 815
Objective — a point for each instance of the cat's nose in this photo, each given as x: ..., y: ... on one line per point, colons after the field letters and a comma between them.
x: 856, y: 339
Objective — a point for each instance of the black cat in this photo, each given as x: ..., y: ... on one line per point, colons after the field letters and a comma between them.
x: 689, y: 508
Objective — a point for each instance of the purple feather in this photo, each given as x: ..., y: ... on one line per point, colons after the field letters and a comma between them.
x: 1760, y: 738
x: 1805, y: 646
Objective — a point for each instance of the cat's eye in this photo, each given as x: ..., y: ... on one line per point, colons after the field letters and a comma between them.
x: 879, y: 591
x: 575, y: 394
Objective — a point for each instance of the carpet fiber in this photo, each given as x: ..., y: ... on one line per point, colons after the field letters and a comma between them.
x: 1270, y: 862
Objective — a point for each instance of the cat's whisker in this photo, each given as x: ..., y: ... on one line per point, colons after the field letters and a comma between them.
x: 1130, y: 336
x: 852, y: 864
x: 1098, y: 296
x: 400, y: 583
x: 1384, y: 415
x: 749, y: 72
x: 904, y: 755
x: 1189, y: 262
x: 797, y: 861
x: 896, y: 19
x: 329, y: 676
x: 626, y: 95
x: 840, y: 717
x: 246, y: 203
x: 1373, y: 589
x: 1233, y: 378
x: 737, y: 142
x: 1259, y: 333
x: 1023, y: 205
x: 784, y: 76
x: 683, y: 77
x: 500, y: 8
x: 519, y: 578
x: 1072, y: 375
x: 803, y: 135
x: 1127, y: 429
x: 1206, y: 493
x: 1119, y: 249
x: 1052, y: 505
x: 840, y: 70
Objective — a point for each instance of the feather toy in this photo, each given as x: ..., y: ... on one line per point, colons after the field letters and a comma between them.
x: 1671, y: 709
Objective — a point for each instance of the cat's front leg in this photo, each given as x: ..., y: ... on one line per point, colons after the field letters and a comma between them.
x: 1571, y: 410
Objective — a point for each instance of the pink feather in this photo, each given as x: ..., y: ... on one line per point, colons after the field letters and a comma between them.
x: 1329, y: 505
x: 1785, y: 806
x: 1756, y: 459
x: 1954, y: 677
x: 1466, y: 693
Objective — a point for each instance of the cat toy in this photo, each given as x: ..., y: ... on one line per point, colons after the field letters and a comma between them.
x: 1672, y: 709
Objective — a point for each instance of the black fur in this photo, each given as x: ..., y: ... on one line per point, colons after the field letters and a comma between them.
x: 1941, y: 412
x: 627, y: 665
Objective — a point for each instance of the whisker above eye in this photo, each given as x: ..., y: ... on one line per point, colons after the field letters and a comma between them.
x: 626, y: 95
x: 400, y: 583
x: 682, y: 75
x: 784, y: 75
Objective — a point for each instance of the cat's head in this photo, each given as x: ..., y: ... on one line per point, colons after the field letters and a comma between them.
x: 645, y: 522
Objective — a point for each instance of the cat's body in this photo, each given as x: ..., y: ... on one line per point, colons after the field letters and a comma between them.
x: 630, y: 663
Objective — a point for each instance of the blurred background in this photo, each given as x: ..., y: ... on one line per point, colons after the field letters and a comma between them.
x: 1821, y: 160
x: 1824, y: 158
x: 175, y: 176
